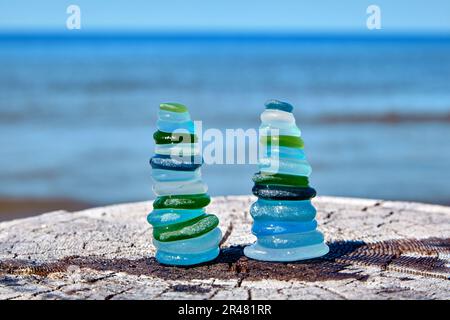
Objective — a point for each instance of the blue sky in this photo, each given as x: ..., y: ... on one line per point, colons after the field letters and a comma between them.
x: 226, y: 15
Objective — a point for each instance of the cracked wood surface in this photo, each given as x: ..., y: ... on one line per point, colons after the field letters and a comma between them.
x: 379, y: 250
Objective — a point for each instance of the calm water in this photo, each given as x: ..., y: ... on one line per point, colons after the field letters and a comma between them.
x: 77, y: 117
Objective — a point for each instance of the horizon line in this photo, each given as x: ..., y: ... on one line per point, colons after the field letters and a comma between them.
x: 368, y: 35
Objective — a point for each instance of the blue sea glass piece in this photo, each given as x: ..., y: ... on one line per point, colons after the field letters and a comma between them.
x: 299, y: 211
x: 275, y: 227
x: 279, y: 105
x: 258, y: 252
x: 291, y: 240
x: 190, y: 251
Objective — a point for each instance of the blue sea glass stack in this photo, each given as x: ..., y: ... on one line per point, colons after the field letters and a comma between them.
x: 183, y: 233
x: 284, y: 217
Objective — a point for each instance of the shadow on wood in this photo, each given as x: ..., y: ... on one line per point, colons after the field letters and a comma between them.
x: 405, y: 255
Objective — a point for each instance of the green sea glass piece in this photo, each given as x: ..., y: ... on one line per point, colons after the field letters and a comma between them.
x: 191, y: 201
x: 161, y: 137
x: 280, y: 179
x: 173, y: 107
x: 186, y: 230
x: 283, y: 141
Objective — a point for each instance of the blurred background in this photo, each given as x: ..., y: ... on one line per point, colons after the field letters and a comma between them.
x: 78, y: 107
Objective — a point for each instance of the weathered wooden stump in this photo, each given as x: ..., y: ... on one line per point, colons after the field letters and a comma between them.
x: 379, y: 250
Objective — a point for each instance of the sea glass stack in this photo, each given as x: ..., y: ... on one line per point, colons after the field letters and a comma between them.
x: 284, y: 217
x: 183, y: 233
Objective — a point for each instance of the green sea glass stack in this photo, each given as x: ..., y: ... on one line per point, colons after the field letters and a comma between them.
x: 183, y: 233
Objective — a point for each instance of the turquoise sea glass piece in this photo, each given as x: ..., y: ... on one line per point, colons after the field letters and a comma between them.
x: 180, y: 187
x: 298, y: 167
x: 259, y: 252
x: 284, y: 217
x: 163, y: 217
x: 173, y: 116
x: 180, y: 127
x: 161, y: 175
x: 291, y: 240
x: 284, y: 153
x: 186, y: 259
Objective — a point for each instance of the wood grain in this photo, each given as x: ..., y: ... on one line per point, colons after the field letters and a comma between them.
x: 379, y: 250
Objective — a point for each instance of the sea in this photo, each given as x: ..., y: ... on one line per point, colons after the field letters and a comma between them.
x: 77, y: 112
